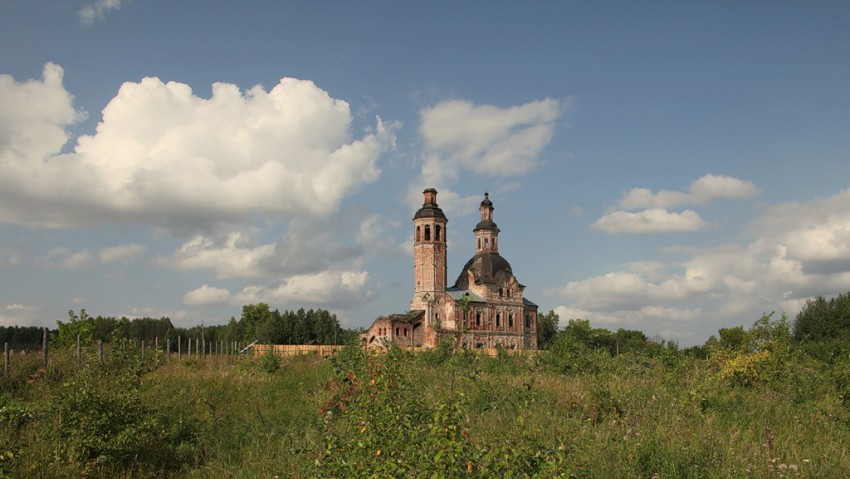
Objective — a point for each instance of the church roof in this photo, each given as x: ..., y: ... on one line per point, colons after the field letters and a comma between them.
x: 429, y: 211
x: 486, y: 225
x: 457, y: 294
x: 484, y: 268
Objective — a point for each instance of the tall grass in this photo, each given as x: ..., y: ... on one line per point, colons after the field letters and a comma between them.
x: 577, y: 415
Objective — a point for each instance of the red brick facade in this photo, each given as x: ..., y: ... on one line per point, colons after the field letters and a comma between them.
x: 485, y: 307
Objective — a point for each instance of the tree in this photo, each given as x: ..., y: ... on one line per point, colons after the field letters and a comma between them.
x: 547, y: 328
x: 82, y: 325
x: 822, y: 319
x: 736, y: 339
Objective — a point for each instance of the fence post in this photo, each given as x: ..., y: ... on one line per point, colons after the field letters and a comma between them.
x: 179, y: 350
x: 143, y: 350
x: 100, y: 350
x: 5, y: 358
x: 44, y: 347
x: 189, y: 354
x: 167, y: 350
x: 79, y: 354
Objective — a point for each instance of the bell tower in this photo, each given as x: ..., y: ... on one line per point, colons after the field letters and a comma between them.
x: 486, y: 231
x: 429, y: 249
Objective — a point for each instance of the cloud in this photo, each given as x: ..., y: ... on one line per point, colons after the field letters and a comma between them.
x: 17, y: 314
x: 654, y: 220
x: 702, y: 191
x: 9, y: 257
x: 654, y: 216
x: 485, y: 139
x: 33, y: 120
x: 327, y: 288
x: 792, y: 252
x: 63, y: 258
x: 206, y: 295
x: 97, y: 10
x: 165, y: 156
x: 237, y: 256
x: 124, y: 253
x: 308, y: 245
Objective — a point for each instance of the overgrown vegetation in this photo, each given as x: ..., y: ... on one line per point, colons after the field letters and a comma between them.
x: 762, y: 401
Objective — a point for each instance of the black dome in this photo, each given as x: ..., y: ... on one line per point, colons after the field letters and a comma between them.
x: 484, y: 267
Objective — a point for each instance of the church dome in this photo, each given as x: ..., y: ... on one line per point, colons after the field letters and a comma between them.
x: 485, y: 267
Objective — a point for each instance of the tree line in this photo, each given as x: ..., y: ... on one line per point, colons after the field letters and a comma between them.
x: 258, y: 322
x: 821, y: 328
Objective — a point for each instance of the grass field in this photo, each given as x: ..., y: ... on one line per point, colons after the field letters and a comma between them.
x: 561, y: 413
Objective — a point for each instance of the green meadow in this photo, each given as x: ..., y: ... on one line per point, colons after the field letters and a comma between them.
x: 755, y: 403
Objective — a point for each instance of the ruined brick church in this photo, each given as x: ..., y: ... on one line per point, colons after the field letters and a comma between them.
x: 485, y: 307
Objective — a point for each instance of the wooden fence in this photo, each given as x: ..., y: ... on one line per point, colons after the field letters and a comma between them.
x: 201, y: 348
x: 187, y: 347
x: 295, y: 349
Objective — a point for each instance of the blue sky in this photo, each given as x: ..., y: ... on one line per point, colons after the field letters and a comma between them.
x: 673, y: 167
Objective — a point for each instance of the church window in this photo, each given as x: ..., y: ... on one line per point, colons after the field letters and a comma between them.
x: 396, y: 331
x: 500, y: 292
x: 486, y: 243
x: 427, y: 233
x: 437, y: 233
x: 417, y: 232
x: 510, y: 320
x: 405, y: 332
x: 479, y: 243
x: 498, y: 319
x: 478, y: 318
x: 528, y: 321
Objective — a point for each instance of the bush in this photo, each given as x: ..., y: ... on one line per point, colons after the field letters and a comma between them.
x: 102, y: 423
x: 270, y: 363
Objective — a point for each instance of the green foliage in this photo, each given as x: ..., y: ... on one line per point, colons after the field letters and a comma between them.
x: 102, y: 421
x: 270, y: 363
x: 735, y: 339
x: 378, y: 424
x: 569, y: 354
x: 823, y: 327
x: 82, y: 326
x: 547, y: 329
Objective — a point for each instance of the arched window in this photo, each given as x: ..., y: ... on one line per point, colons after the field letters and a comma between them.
x: 427, y: 232
x: 486, y: 243
x: 510, y: 320
x: 417, y: 232
x: 479, y: 243
x: 500, y: 292
x: 498, y: 319
x: 437, y: 233
x: 478, y: 318
x: 527, y: 321
x: 405, y: 332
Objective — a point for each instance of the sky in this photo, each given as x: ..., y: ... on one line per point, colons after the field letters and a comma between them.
x: 672, y: 167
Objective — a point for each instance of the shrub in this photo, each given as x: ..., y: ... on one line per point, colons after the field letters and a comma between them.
x: 101, y: 422
x: 270, y: 363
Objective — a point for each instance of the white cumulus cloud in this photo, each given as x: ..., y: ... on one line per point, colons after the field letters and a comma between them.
x: 63, y: 258
x: 206, y: 295
x: 653, y: 220
x: 97, y: 10
x: 163, y: 155
x: 485, y: 139
x: 326, y: 289
x: 125, y: 253
x: 702, y: 191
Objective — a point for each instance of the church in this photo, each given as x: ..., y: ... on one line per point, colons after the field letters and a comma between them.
x: 486, y: 307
